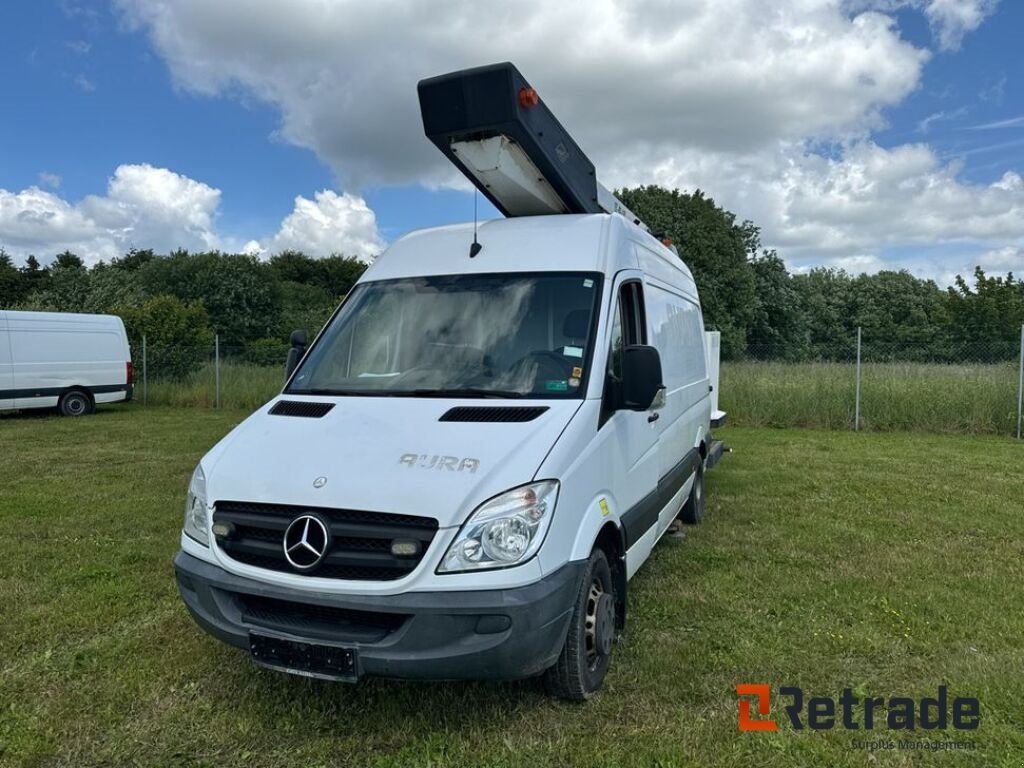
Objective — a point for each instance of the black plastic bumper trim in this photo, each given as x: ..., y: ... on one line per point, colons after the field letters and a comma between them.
x: 458, y: 635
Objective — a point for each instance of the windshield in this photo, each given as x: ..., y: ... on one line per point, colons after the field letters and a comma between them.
x: 501, y: 335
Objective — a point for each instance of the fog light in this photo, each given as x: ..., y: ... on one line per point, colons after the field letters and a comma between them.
x: 405, y: 547
x: 223, y: 530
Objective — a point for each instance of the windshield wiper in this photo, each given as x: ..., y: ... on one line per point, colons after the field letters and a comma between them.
x: 332, y: 392
x: 476, y: 392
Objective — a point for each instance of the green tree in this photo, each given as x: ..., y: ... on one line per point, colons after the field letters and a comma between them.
x: 240, y: 293
x: 112, y: 286
x: 68, y: 260
x: 178, y: 335
x: 717, y: 250
x: 985, y: 321
x: 12, y: 283
x: 338, y: 274
x: 65, y: 287
x: 779, y: 329
x: 902, y: 317
x: 33, y: 276
x: 824, y: 297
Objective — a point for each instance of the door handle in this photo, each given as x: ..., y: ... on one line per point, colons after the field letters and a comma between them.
x: 653, y: 417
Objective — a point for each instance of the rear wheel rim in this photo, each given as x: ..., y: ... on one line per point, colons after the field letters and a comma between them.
x: 75, y: 405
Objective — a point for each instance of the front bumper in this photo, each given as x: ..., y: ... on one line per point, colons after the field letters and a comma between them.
x: 486, y: 634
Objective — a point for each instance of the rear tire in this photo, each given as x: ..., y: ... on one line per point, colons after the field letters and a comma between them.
x: 693, y: 509
x: 75, y: 403
x: 583, y: 663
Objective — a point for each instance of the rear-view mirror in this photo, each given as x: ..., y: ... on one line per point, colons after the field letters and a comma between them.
x: 641, y: 377
x: 298, y: 348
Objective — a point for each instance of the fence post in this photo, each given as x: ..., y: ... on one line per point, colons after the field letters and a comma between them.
x: 216, y: 370
x: 856, y: 413
x: 145, y: 373
x: 1020, y: 382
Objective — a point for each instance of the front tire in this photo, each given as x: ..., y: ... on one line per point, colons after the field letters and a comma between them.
x: 583, y: 663
x: 75, y: 403
x: 693, y: 509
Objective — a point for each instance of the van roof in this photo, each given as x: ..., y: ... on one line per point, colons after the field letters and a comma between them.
x: 61, y: 317
x: 560, y: 243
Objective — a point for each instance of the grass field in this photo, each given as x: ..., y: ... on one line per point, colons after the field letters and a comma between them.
x: 978, y: 399
x: 890, y: 563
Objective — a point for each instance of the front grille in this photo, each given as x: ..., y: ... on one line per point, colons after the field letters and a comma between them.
x: 312, y: 620
x: 360, y: 547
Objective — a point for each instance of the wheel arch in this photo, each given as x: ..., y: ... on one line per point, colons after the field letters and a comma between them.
x: 611, y: 540
x: 80, y: 389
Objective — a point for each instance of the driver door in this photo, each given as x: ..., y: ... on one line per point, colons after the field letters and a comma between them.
x: 631, y: 436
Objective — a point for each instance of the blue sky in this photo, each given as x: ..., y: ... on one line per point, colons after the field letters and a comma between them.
x: 924, y: 131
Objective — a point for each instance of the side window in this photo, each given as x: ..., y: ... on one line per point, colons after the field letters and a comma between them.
x: 632, y: 300
x: 629, y: 326
x: 615, y: 354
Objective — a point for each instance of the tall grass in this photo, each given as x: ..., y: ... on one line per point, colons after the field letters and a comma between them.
x: 242, y: 386
x: 894, y: 396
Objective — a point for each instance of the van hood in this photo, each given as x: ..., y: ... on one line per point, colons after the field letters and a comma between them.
x: 383, y: 454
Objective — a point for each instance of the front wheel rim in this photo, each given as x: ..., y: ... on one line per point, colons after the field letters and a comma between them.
x: 596, y: 623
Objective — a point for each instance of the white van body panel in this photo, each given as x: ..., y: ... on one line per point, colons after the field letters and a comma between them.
x: 6, y: 369
x: 49, y: 353
x: 359, y: 445
x: 342, y: 456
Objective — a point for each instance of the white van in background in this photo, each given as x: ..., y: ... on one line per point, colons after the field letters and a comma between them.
x: 60, y: 360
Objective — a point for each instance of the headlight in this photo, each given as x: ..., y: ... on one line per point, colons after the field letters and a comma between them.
x: 195, y: 508
x: 507, y: 530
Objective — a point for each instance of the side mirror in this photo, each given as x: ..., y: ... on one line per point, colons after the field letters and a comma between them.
x: 641, y: 377
x: 298, y: 348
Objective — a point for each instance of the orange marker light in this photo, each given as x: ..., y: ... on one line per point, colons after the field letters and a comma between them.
x: 528, y: 98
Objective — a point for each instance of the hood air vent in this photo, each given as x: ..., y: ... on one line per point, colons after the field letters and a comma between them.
x: 301, y: 408
x: 490, y: 414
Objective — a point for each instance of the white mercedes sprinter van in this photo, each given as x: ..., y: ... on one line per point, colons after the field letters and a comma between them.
x: 62, y: 360
x: 473, y: 457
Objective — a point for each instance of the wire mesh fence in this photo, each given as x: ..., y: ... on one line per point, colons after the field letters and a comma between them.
x: 876, y: 384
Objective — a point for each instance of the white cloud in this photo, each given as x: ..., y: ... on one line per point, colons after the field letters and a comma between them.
x: 941, y: 116
x: 1012, y: 122
x: 768, y: 106
x: 331, y: 223
x: 723, y: 75
x: 952, y: 19
x: 149, y: 207
x: 844, y: 210
x: 83, y: 83
x: 52, y: 180
x: 81, y: 47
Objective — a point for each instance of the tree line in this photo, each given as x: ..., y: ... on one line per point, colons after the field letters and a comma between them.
x: 179, y: 300
x: 763, y: 311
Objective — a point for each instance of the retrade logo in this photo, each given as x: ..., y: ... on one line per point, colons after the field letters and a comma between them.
x: 850, y: 712
x: 306, y: 541
x: 762, y: 695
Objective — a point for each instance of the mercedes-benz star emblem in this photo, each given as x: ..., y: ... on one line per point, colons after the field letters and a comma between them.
x: 306, y: 541
x: 320, y: 482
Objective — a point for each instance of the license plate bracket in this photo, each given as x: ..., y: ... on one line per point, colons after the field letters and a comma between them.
x: 297, y: 657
